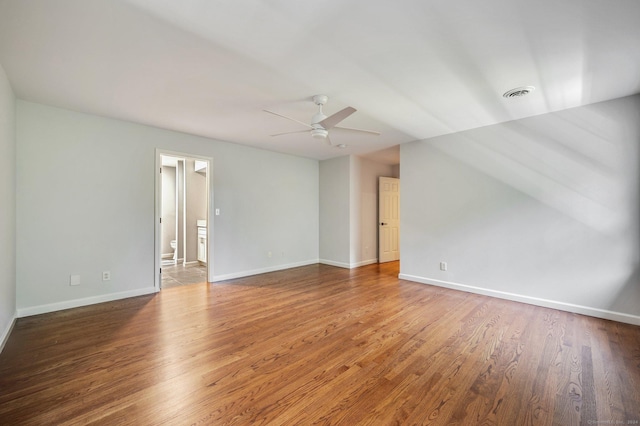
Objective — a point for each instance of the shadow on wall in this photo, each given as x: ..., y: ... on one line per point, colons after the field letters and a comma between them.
x: 578, y: 168
x: 584, y: 164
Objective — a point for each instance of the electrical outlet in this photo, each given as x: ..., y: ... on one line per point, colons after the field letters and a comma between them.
x: 106, y: 275
x: 443, y: 266
x: 74, y: 280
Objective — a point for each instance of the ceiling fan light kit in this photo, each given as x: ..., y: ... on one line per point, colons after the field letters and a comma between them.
x: 319, y: 133
x: 321, y: 124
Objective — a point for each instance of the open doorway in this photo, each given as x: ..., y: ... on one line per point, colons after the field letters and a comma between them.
x: 182, y: 210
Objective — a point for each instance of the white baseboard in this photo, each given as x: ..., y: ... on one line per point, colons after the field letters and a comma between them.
x: 562, y: 306
x: 364, y: 263
x: 7, y: 331
x: 334, y: 263
x: 348, y: 265
x: 68, y: 304
x: 218, y: 278
x: 166, y: 255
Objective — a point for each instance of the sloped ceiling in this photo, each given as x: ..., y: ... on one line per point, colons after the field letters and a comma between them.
x: 413, y: 69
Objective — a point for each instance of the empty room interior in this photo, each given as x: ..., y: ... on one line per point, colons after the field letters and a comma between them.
x: 341, y: 212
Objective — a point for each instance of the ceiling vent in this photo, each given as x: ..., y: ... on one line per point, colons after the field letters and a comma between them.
x: 519, y: 92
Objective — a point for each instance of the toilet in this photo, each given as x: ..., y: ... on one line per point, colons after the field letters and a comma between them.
x: 174, y: 244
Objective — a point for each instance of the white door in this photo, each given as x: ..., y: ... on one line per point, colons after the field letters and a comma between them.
x: 388, y: 219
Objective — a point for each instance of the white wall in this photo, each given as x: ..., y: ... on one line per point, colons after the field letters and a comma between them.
x: 196, y: 191
x: 74, y: 218
x: 349, y: 210
x: 168, y: 214
x: 180, y: 216
x: 543, y: 210
x: 364, y: 208
x: 335, y: 211
x: 7, y: 207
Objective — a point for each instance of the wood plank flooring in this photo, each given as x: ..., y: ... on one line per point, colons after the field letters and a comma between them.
x: 319, y: 345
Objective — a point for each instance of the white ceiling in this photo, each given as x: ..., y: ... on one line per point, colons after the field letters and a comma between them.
x: 414, y: 69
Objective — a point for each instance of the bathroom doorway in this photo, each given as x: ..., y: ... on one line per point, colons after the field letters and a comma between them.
x: 182, y: 209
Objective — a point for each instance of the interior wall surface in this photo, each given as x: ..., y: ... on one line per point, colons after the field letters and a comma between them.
x: 544, y: 210
x: 169, y: 202
x: 7, y: 207
x: 364, y: 204
x: 335, y: 211
x: 196, y: 207
x: 80, y: 220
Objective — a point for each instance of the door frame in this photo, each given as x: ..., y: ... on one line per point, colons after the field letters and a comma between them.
x: 158, y: 210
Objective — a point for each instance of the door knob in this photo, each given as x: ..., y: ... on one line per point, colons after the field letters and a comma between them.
x: 383, y: 223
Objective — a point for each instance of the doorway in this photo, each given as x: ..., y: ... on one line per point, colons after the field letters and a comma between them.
x: 182, y: 212
x: 389, y: 219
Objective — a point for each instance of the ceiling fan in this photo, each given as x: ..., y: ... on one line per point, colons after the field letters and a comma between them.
x: 321, y: 124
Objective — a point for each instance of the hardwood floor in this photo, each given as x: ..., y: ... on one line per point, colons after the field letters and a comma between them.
x: 319, y: 345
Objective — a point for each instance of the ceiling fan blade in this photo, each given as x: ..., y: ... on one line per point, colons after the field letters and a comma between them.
x: 289, y: 133
x: 288, y: 118
x: 351, y: 129
x: 334, y: 119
